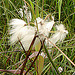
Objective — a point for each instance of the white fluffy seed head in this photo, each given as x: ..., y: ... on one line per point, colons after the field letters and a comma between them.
x: 44, y: 27
x: 17, y: 23
x: 21, y: 32
x: 39, y: 20
x: 28, y: 37
x: 16, y: 29
x: 62, y: 32
x: 60, y: 69
x: 25, y: 35
x: 59, y: 35
x: 61, y: 28
x: 49, y: 25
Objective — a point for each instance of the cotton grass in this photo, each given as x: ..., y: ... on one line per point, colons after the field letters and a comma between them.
x: 59, y: 35
x: 20, y: 31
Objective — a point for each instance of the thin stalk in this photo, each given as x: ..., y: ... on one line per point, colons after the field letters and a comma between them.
x: 37, y: 9
x: 42, y: 8
x: 35, y: 57
x: 5, y: 11
x: 51, y: 60
x: 60, y: 50
x: 59, y: 8
x: 23, y: 47
x: 27, y: 56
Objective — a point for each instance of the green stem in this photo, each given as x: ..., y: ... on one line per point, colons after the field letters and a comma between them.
x: 42, y: 8
x: 51, y: 59
x: 59, y: 8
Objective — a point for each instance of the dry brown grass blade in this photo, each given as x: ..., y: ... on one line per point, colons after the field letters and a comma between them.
x: 8, y: 58
x: 22, y: 47
x: 12, y: 71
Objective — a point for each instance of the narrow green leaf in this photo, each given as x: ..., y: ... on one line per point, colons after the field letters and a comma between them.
x: 51, y: 60
x: 37, y: 9
x: 59, y: 8
x: 31, y: 5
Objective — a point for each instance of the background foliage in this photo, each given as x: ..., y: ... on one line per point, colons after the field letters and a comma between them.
x: 63, y: 11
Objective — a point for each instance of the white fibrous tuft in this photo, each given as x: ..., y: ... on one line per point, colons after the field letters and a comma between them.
x: 49, y: 25
x: 29, y: 33
x: 59, y: 35
x: 21, y: 32
x: 44, y: 27
x: 17, y: 27
x: 62, y: 32
x: 60, y: 69
x: 17, y: 23
x: 39, y: 20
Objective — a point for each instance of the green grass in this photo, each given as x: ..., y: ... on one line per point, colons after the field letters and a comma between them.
x: 64, y: 12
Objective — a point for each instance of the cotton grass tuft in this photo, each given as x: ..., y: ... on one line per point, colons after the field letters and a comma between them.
x: 20, y: 31
x: 59, y: 35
